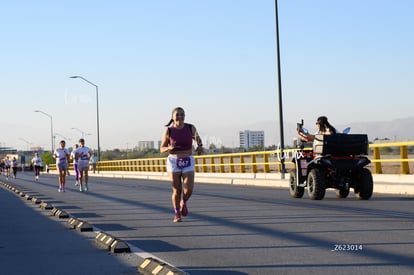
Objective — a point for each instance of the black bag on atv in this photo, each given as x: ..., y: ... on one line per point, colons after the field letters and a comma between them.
x: 341, y: 144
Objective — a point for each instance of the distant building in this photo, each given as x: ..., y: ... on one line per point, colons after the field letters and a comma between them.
x: 36, y: 149
x: 145, y: 145
x: 250, y: 139
x: 7, y: 150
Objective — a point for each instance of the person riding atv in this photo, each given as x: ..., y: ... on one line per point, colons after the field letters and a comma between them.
x: 336, y: 160
x: 324, y: 128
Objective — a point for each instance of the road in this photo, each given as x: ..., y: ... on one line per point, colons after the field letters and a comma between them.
x: 241, y: 229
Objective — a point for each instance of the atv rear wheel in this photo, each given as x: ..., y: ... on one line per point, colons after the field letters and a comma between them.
x: 295, y: 190
x: 365, y: 185
x: 316, y: 185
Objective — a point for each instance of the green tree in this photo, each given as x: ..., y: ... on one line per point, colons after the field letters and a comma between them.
x: 47, y: 158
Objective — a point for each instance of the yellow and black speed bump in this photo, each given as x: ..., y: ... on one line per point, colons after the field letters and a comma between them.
x: 79, y: 225
x: 104, y: 240
x: 28, y: 197
x: 36, y: 200
x: 156, y: 267
x: 110, y: 243
x: 83, y: 226
x: 72, y: 223
x: 60, y: 213
x: 54, y: 210
x: 45, y: 206
x: 119, y: 246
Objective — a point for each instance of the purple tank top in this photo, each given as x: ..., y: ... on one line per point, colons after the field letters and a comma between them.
x: 183, y: 138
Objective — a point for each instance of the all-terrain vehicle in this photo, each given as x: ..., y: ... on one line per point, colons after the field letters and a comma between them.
x: 332, y: 161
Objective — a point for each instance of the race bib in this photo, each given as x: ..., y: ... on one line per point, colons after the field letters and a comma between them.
x: 183, y: 162
x: 84, y: 156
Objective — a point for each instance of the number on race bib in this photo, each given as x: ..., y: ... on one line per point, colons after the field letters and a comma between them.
x: 183, y: 162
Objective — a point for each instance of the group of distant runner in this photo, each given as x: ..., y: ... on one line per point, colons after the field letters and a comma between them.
x: 81, y: 156
x: 7, y: 166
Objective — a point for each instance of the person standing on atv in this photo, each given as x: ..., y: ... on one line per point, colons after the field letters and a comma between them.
x: 324, y: 128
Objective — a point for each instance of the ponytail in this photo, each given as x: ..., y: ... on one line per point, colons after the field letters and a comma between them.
x: 169, y: 123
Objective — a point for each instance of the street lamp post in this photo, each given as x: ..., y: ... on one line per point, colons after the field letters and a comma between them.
x: 282, y: 143
x: 62, y: 136
x: 82, y: 132
x: 27, y: 144
x: 97, y: 112
x: 25, y: 156
x: 51, y: 127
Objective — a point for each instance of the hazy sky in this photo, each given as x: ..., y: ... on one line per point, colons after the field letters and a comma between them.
x: 351, y: 60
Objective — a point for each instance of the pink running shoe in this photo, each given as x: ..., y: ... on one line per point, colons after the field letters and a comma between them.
x: 184, y: 209
x: 177, y: 217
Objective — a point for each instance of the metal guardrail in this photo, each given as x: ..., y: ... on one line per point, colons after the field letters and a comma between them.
x: 403, y: 160
x: 253, y: 162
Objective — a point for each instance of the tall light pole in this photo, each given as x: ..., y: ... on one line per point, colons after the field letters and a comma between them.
x: 282, y: 142
x: 97, y: 112
x: 62, y: 136
x: 27, y: 144
x: 51, y: 127
x: 57, y: 134
x: 82, y: 132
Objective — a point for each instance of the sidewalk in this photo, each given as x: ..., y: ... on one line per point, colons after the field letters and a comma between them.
x: 31, y: 242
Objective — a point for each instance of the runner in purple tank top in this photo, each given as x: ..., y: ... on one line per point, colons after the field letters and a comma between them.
x: 177, y: 140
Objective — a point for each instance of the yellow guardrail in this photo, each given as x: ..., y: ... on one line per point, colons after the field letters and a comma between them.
x: 403, y: 160
x: 255, y: 162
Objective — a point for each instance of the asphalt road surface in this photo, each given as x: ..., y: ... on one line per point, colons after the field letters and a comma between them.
x: 230, y: 229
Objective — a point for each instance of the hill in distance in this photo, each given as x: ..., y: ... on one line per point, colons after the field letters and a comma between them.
x: 401, y: 129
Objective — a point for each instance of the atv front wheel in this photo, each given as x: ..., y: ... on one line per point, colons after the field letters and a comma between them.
x: 316, y: 185
x: 295, y: 190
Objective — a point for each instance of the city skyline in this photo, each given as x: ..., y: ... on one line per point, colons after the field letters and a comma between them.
x: 349, y: 60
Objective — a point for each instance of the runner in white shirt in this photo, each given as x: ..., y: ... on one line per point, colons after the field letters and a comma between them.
x: 37, y: 163
x: 83, y: 154
x: 15, y: 164
x: 61, y: 155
